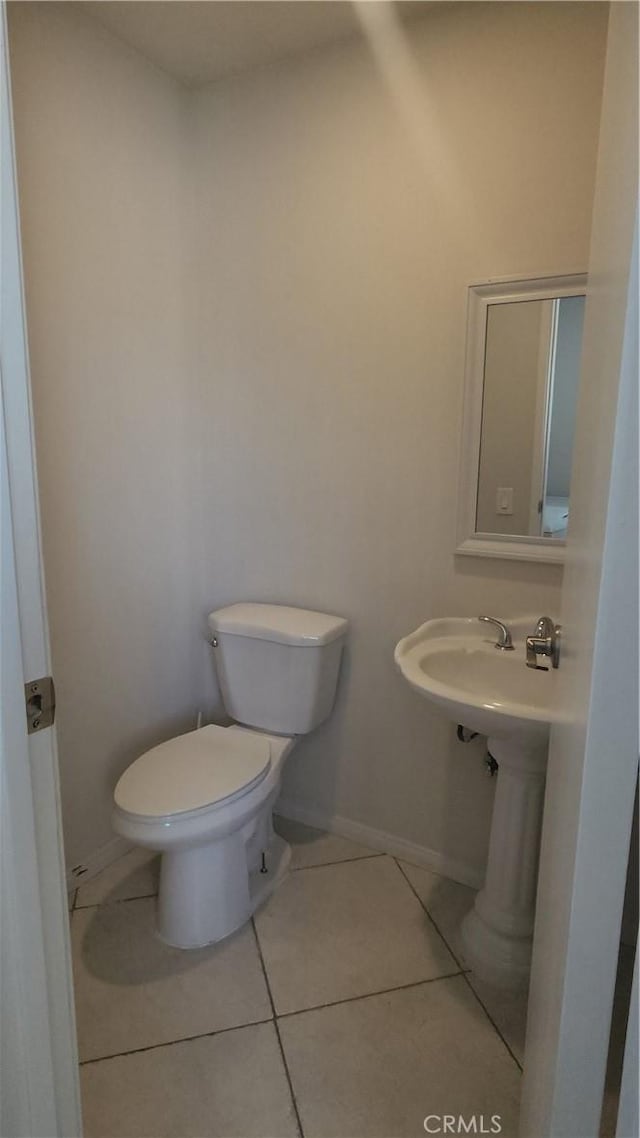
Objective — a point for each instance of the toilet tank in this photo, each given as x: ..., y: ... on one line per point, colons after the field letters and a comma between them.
x: 277, y: 666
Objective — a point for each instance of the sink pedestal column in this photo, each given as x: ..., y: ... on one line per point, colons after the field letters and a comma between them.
x: 497, y: 933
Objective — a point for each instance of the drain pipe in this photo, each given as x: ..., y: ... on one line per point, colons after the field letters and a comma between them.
x: 465, y: 735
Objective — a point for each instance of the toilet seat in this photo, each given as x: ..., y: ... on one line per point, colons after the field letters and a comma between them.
x: 193, y: 772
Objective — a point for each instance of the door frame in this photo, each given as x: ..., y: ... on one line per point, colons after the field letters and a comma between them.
x: 593, y: 754
x: 40, y: 1085
x: 590, y: 798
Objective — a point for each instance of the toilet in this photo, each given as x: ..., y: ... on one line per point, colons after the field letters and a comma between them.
x: 204, y: 800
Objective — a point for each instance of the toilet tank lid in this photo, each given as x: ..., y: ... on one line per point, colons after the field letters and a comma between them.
x: 281, y: 623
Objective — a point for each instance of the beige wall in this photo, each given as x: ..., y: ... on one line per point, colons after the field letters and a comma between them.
x: 565, y: 394
x: 514, y: 352
x: 336, y: 241
x: 101, y: 155
x: 316, y: 463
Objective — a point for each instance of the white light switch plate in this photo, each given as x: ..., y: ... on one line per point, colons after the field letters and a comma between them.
x: 504, y: 500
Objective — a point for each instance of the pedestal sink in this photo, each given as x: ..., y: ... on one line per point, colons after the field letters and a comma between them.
x: 455, y: 664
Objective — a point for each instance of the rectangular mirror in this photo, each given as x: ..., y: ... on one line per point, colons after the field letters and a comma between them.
x: 524, y: 341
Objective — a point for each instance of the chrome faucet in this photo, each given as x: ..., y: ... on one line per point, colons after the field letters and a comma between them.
x: 544, y: 642
x: 504, y: 642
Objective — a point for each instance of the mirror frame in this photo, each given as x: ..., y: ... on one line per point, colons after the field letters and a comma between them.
x: 498, y: 290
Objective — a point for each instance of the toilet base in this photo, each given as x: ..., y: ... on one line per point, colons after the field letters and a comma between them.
x: 278, y: 860
x: 206, y: 893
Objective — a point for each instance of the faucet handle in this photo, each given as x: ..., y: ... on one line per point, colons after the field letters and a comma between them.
x: 545, y: 627
x: 544, y: 642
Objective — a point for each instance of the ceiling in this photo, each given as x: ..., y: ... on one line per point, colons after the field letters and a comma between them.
x: 199, y: 42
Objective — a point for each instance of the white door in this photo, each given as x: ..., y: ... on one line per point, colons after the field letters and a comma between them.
x: 593, y: 756
x: 38, y: 1069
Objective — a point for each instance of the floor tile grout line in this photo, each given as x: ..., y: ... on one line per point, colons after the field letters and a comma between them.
x: 284, y: 1015
x: 116, y: 901
x: 294, y: 869
x: 428, y: 914
x: 173, y: 1042
x: 271, y: 1019
x: 493, y: 1023
x: 464, y: 971
x: 287, y: 1072
x: 341, y: 861
x: 369, y: 995
x: 263, y: 967
x: 294, y: 1100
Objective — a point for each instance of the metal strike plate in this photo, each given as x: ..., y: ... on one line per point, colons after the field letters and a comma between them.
x: 40, y: 703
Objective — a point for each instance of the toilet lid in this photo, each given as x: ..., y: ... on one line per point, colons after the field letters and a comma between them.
x: 204, y: 767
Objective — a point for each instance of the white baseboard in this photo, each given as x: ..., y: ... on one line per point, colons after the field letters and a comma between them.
x: 434, y: 860
x: 98, y: 861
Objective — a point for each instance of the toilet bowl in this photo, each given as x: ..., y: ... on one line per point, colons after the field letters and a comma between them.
x: 204, y: 800
x: 221, y: 857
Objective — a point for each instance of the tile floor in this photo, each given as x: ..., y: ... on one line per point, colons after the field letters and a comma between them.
x: 344, y: 1010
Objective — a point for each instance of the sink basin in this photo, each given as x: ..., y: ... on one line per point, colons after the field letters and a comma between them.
x: 454, y: 663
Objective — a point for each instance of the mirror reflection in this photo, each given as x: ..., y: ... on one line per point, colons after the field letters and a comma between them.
x: 530, y: 384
